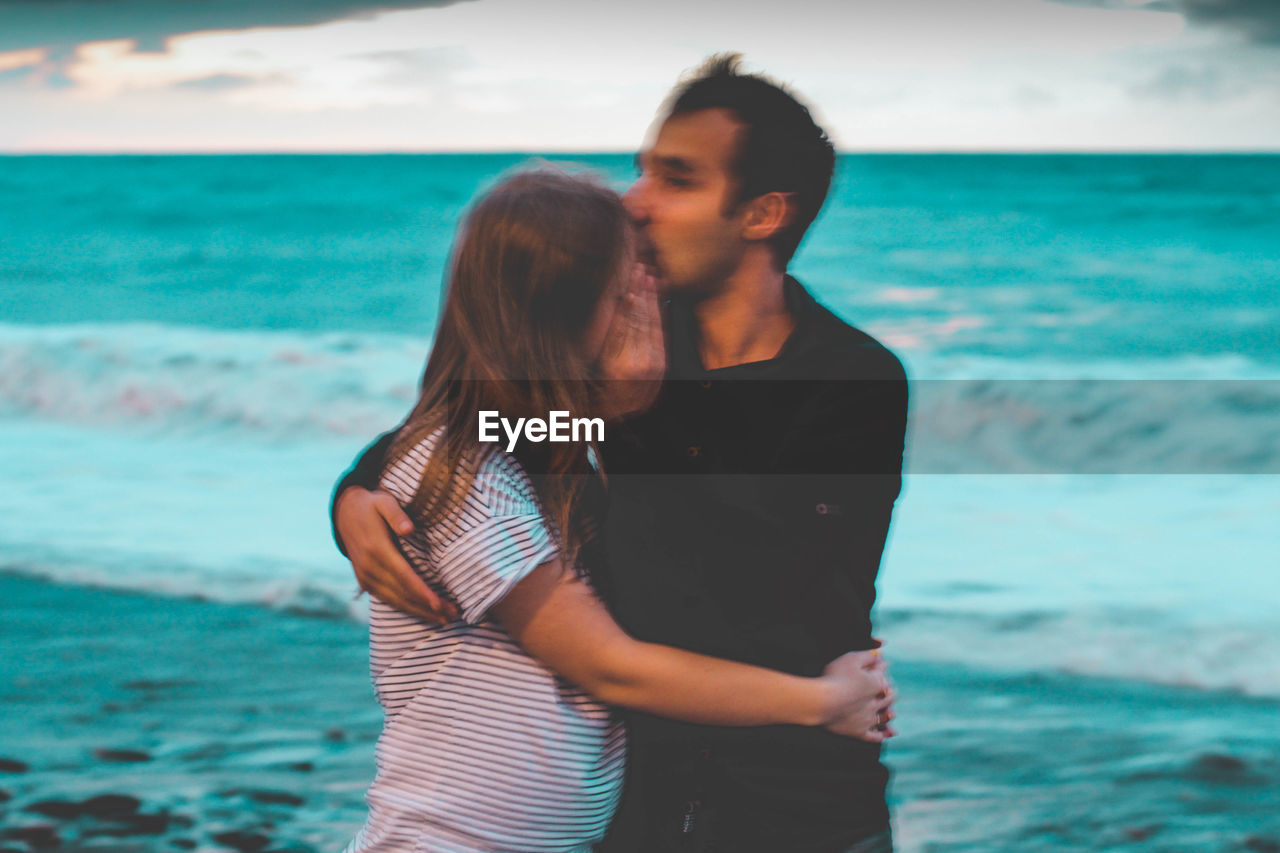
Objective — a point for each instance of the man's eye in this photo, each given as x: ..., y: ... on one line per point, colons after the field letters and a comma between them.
x: 675, y: 181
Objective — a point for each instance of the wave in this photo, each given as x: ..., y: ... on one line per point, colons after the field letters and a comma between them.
x: 971, y: 415
x: 290, y: 588
x: 1095, y: 426
x: 173, y: 378
x: 1132, y: 644
x: 1226, y: 366
x: 1125, y: 643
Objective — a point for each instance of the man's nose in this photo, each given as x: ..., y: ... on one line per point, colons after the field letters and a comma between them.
x: 636, y: 203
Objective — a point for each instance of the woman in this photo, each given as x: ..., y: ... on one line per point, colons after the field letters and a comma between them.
x: 498, y: 734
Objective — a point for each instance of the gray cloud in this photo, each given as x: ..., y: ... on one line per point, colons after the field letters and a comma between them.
x: 1187, y: 82
x: 222, y: 82
x: 1034, y: 97
x: 416, y: 67
x: 60, y: 25
x: 1257, y: 20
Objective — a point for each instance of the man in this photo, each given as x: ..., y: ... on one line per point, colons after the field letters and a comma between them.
x: 748, y: 507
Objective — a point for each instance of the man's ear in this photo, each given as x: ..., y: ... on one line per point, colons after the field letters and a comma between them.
x: 768, y: 214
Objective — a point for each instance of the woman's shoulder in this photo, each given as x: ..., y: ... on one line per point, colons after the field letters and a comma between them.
x: 403, y: 469
x: 497, y: 479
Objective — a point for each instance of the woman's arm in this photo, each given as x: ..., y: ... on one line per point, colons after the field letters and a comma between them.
x: 558, y: 620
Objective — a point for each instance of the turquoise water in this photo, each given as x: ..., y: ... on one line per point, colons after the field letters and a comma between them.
x: 1013, y: 257
x: 192, y: 348
x: 221, y: 334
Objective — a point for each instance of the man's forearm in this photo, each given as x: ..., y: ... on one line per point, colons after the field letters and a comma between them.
x: 365, y: 474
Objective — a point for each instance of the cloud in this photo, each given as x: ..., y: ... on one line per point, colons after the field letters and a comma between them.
x: 416, y: 67
x: 219, y: 82
x: 21, y: 58
x: 1034, y: 97
x: 295, y: 54
x: 1182, y: 82
x: 63, y: 24
x: 886, y: 75
x: 1257, y: 20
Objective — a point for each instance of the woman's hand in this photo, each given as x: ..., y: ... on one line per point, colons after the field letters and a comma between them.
x: 862, y: 696
x: 634, y: 358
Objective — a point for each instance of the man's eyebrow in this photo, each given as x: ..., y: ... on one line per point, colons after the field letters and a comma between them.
x: 673, y: 164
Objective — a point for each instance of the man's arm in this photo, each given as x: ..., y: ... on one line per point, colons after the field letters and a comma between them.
x: 557, y: 619
x: 363, y: 474
x: 366, y: 522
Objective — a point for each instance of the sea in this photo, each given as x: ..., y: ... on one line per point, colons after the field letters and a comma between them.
x: 193, y: 349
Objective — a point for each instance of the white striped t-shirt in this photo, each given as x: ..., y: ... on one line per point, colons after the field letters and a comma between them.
x: 483, y: 748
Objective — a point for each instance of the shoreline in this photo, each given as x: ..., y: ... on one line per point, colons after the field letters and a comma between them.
x: 214, y: 718
x: 148, y: 723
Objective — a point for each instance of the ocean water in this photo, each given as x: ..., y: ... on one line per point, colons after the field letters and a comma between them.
x: 193, y: 348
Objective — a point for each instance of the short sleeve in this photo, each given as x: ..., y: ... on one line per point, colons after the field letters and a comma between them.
x: 492, y: 541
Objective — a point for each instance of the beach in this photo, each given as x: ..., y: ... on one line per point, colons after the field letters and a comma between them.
x: 133, y: 722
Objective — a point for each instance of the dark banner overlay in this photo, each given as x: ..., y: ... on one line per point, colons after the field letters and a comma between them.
x: 1094, y: 426
x: 854, y: 427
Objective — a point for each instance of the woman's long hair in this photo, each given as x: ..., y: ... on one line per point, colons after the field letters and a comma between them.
x: 532, y: 260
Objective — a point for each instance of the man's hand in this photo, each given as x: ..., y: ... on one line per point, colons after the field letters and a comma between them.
x: 365, y: 521
x: 865, y: 696
x: 634, y: 359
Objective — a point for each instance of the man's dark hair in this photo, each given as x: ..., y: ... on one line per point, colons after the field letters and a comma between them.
x: 782, y: 148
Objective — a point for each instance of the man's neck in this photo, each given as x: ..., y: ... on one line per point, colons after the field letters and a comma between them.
x: 748, y: 320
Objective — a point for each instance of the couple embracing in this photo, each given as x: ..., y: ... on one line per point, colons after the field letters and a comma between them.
x: 658, y: 641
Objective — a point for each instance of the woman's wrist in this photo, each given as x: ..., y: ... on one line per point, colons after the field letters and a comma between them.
x: 829, y: 701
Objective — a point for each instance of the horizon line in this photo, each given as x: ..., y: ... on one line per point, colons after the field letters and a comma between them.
x: 569, y: 152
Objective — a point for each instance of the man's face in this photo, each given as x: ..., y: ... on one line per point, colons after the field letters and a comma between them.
x: 681, y: 199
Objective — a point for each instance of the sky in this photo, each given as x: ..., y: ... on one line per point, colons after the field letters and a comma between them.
x: 588, y: 75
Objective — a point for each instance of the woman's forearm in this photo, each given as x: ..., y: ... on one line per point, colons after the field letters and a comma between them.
x: 671, y: 682
x: 561, y: 622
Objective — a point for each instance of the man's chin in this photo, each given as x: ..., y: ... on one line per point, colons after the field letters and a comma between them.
x: 670, y: 284
x: 648, y: 256
x: 654, y: 267
x: 695, y: 290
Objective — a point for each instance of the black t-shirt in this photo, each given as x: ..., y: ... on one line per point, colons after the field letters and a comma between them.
x: 748, y: 511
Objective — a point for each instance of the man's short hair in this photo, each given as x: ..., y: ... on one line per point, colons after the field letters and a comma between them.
x: 782, y: 149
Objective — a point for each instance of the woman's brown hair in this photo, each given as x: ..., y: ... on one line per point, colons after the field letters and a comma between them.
x: 532, y: 260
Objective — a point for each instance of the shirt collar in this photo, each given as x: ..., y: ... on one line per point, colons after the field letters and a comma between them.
x: 685, y: 361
